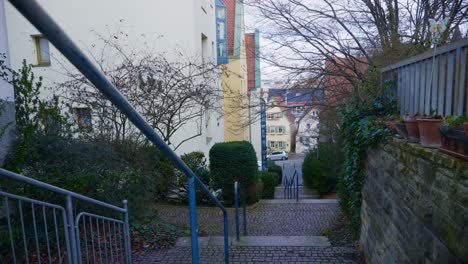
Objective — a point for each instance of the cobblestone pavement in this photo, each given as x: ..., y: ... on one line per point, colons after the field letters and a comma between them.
x: 247, y: 255
x: 263, y: 219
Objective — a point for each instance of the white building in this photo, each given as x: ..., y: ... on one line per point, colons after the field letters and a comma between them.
x: 307, y: 136
x: 169, y: 27
x: 7, y: 108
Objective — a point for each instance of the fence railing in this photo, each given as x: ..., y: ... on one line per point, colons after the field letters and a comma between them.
x: 291, y: 185
x: 238, y: 192
x: 47, y: 232
x: 447, y: 92
x: 36, y: 15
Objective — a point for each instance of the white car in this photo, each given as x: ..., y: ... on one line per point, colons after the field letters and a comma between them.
x: 278, y: 155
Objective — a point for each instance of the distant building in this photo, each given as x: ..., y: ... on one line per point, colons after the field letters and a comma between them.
x: 292, y: 119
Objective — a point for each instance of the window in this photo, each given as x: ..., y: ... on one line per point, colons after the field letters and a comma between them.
x: 42, y: 50
x: 280, y: 144
x: 281, y: 130
x: 308, y: 126
x: 83, y: 117
x: 272, y: 144
x: 271, y: 129
x: 221, y: 34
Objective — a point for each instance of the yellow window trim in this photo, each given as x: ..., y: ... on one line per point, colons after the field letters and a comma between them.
x: 37, y: 40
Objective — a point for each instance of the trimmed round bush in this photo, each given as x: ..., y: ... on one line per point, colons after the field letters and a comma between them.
x: 272, y: 167
x: 269, y: 180
x: 234, y: 161
x: 322, y: 167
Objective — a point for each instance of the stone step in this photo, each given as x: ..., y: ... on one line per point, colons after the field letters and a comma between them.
x: 259, y: 241
x: 301, y: 201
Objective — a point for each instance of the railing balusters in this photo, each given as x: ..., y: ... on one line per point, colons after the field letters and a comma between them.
x: 105, y: 240
x: 92, y: 239
x: 8, y: 216
x: 38, y: 252
x: 99, y: 240
x: 121, y: 239
x: 110, y: 241
x: 57, y: 235
x: 85, y: 240
x: 44, y: 215
x: 25, y: 242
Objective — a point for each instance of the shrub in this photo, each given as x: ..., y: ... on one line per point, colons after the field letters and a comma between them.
x: 322, y: 167
x: 234, y: 161
x: 272, y: 167
x: 196, y: 161
x: 269, y: 180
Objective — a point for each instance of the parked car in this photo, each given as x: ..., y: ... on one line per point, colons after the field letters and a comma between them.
x: 278, y: 155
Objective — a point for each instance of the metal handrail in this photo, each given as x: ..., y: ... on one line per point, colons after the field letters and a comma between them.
x: 291, y: 186
x: 236, y: 204
x: 37, y: 16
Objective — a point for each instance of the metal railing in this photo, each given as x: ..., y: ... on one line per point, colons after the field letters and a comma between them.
x: 237, y: 190
x: 291, y: 185
x: 40, y: 231
x: 37, y: 16
x: 446, y: 92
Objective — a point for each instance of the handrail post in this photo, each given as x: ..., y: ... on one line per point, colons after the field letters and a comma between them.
x: 236, y: 205
x: 193, y: 219
x: 128, y: 250
x: 226, y: 238
x: 245, y: 215
x: 297, y: 187
x: 71, y: 229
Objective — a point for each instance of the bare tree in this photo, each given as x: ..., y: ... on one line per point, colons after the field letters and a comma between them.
x: 168, y: 93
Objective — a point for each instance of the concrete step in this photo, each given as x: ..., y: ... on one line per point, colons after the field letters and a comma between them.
x: 259, y: 241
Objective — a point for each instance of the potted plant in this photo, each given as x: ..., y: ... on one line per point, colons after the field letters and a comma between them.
x: 411, y: 126
x: 454, y: 136
x: 428, y: 126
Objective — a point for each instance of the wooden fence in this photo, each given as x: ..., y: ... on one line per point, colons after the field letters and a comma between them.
x: 448, y: 92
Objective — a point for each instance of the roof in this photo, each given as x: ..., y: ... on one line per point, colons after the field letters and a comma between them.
x: 297, y: 96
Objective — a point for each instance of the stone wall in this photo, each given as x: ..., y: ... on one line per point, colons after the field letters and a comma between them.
x: 415, y: 206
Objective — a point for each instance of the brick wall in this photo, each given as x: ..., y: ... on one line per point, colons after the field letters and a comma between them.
x: 415, y: 206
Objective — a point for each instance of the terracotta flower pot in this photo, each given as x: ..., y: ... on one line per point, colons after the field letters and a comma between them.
x: 412, y: 129
x: 465, y: 127
x: 455, y: 143
x: 429, y: 132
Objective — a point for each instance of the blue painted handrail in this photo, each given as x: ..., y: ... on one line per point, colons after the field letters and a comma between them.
x: 37, y: 16
x: 291, y: 185
x: 236, y: 204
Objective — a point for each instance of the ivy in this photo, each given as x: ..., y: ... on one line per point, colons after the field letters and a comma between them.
x: 363, y: 127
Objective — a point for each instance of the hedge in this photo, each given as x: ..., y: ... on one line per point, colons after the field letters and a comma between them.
x: 322, y: 167
x: 269, y: 180
x: 272, y: 167
x: 234, y: 161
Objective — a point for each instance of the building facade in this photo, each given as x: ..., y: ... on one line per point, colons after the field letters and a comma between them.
x: 234, y: 79
x: 7, y: 107
x: 172, y: 28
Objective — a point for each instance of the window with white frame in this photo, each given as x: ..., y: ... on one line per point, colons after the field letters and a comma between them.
x: 221, y: 32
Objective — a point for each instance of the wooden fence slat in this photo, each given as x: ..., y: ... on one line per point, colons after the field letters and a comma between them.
x: 422, y: 86
x: 407, y: 89
x: 456, y: 88
x: 463, y: 95
x: 449, y: 86
x: 427, y: 101
x: 435, y: 83
x: 441, y: 89
x: 417, y: 70
x: 399, y: 89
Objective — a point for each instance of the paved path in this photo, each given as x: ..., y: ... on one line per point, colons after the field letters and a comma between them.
x: 246, y: 255
x: 263, y: 219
